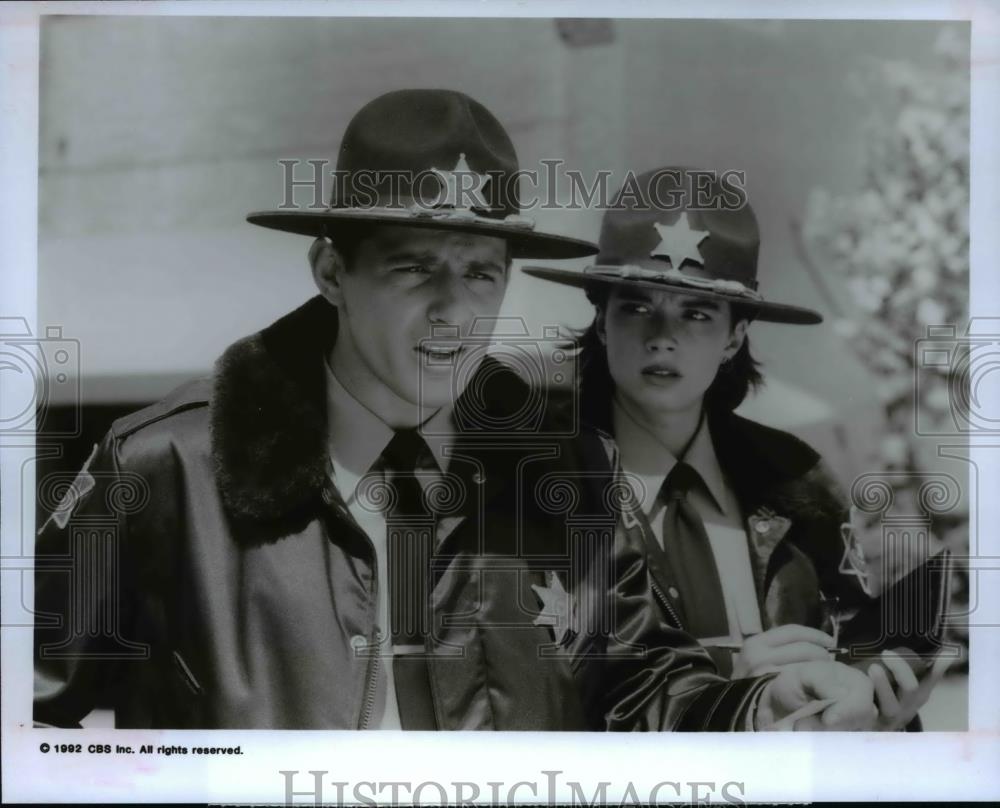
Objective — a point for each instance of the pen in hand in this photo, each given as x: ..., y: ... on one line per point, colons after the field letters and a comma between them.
x: 812, y: 708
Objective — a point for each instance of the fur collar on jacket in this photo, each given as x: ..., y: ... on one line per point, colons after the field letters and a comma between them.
x: 268, y: 414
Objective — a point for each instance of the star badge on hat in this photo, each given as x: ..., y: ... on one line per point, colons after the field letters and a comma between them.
x: 390, y: 147
x: 678, y: 242
x: 454, y: 191
x: 723, y: 249
x: 555, y: 606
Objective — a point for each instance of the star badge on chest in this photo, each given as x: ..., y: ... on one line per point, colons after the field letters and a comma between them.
x: 555, y: 602
x: 767, y: 529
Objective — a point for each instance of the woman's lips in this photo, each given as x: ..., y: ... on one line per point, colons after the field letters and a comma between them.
x: 661, y: 370
x: 660, y: 374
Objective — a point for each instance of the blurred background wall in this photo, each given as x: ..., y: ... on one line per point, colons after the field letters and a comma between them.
x: 158, y: 135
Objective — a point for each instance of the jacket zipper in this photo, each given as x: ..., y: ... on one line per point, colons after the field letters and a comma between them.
x: 666, y: 603
x: 335, y: 502
x: 373, y: 661
x: 372, y: 673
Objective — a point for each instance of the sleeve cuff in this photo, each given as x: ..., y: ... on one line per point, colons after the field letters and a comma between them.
x: 726, y: 708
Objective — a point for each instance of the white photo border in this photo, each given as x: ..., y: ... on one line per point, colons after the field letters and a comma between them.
x: 774, y: 767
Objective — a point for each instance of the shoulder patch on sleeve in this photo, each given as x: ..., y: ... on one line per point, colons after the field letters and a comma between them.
x: 75, y: 494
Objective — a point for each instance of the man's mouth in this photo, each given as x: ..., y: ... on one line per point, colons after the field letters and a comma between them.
x: 439, y: 352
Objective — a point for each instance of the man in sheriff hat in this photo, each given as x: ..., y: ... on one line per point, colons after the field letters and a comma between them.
x: 333, y: 531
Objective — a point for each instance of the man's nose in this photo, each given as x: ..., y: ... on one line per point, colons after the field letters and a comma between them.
x: 661, y: 334
x: 448, y: 303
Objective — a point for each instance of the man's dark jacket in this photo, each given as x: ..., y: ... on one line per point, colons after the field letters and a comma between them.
x: 203, y: 572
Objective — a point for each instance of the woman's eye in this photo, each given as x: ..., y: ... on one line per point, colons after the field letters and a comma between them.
x: 410, y: 269
x: 481, y: 276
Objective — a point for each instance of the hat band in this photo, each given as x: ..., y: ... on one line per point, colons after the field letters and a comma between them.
x: 674, y: 277
x: 446, y: 215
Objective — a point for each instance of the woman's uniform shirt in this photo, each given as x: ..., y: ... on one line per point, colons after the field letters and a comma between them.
x: 770, y: 507
x: 647, y: 463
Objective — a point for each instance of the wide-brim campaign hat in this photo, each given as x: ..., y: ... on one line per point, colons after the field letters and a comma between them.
x: 431, y: 159
x: 683, y: 230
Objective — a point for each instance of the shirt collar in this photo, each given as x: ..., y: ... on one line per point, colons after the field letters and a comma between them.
x: 643, y: 456
x: 356, y: 437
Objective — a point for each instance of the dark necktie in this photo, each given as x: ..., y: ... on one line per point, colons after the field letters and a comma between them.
x: 687, y: 547
x: 409, y: 538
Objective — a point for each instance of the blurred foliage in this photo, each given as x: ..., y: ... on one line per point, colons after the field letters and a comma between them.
x: 900, y: 244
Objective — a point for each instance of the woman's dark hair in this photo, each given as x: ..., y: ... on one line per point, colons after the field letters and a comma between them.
x: 735, y: 379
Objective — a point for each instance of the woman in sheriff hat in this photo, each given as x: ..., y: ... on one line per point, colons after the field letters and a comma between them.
x: 746, y: 533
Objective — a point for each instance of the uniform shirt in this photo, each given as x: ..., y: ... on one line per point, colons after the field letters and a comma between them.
x: 647, y: 463
x: 357, y: 437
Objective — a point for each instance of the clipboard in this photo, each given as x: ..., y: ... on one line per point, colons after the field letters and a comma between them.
x: 908, y: 617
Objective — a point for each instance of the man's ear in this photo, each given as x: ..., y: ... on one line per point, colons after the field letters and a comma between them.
x: 601, y: 326
x: 736, y: 337
x: 327, y: 269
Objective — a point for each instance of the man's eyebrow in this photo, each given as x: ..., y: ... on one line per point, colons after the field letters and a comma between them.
x: 410, y: 255
x: 700, y: 303
x: 635, y: 295
x: 487, y: 264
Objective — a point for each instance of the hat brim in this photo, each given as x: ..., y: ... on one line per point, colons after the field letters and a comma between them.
x: 523, y: 242
x: 763, y: 310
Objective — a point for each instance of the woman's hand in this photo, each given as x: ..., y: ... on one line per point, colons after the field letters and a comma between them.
x: 898, y: 705
x: 770, y: 650
x: 812, y: 696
